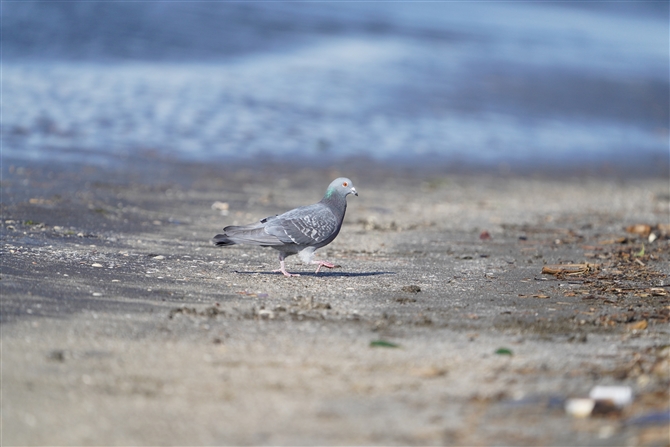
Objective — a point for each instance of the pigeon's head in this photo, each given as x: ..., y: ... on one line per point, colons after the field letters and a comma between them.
x: 342, y: 187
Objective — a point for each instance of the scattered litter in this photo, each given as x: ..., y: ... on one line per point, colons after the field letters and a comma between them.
x: 663, y: 229
x: 484, y: 235
x: 641, y: 229
x: 159, y: 257
x: 537, y: 295
x: 619, y: 396
x: 618, y: 240
x: 602, y: 400
x: 97, y: 294
x: 504, y: 351
x: 383, y: 344
x: 222, y: 207
x: 96, y: 265
x: 569, y: 269
x: 651, y: 232
x: 640, y: 253
x: 210, y: 312
x: 637, y: 326
x: 266, y: 313
x: 580, y: 408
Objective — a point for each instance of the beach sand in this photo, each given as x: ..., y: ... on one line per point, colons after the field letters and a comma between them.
x: 122, y: 324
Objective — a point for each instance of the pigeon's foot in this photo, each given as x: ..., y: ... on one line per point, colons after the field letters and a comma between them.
x: 282, y: 269
x: 323, y: 264
x: 287, y: 274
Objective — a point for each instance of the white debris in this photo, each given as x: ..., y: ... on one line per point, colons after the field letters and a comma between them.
x: 223, y: 207
x: 620, y: 396
x: 580, y: 408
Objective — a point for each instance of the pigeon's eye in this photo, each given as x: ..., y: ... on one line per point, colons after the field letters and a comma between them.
x: 345, y: 184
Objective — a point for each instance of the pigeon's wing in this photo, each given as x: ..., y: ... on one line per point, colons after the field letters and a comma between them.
x: 307, y: 225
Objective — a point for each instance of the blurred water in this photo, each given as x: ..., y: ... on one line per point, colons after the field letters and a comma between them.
x: 480, y: 83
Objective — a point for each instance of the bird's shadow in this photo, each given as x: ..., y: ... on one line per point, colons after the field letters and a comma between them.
x: 320, y: 274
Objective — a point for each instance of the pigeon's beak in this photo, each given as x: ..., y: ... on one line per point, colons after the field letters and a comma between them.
x: 353, y: 191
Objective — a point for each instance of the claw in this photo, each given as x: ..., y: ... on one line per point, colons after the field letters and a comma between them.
x: 323, y: 264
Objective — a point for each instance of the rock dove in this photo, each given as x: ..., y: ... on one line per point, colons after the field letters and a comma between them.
x: 299, y: 231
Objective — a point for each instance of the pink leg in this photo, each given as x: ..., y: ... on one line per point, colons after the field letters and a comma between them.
x: 282, y: 268
x: 323, y: 264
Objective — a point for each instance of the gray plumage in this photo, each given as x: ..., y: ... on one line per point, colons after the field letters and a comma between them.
x: 300, y: 231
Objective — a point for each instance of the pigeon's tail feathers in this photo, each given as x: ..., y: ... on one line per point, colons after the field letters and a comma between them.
x: 222, y: 239
x: 254, y: 234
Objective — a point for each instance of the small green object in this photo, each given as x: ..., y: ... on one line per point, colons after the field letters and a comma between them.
x: 640, y: 253
x: 504, y: 351
x: 383, y: 344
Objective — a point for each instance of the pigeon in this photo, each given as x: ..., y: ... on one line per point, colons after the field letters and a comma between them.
x: 300, y: 231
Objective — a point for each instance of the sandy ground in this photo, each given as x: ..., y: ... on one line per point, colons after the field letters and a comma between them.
x: 122, y: 325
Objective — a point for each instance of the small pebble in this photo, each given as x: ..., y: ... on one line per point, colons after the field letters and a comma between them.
x: 220, y: 206
x: 580, y: 408
x: 159, y: 257
x: 96, y: 265
x: 97, y: 294
x: 56, y: 355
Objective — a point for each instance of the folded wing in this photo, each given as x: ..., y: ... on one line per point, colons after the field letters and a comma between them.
x: 308, y: 225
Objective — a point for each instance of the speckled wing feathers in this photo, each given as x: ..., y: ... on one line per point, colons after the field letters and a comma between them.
x: 308, y: 225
